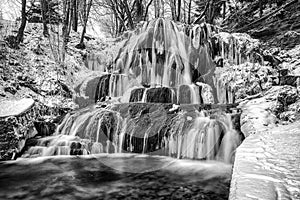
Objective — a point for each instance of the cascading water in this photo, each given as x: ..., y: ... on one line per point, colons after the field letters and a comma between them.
x: 143, y: 128
x: 161, y: 55
x: 159, y: 65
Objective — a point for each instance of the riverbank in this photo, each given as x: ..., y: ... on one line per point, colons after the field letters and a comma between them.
x: 267, y: 162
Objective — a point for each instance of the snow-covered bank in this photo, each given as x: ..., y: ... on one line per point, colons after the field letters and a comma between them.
x: 267, y: 165
x: 267, y: 162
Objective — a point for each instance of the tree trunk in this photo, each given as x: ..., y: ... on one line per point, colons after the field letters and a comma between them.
x: 65, y: 29
x: 173, y: 9
x: 260, y: 8
x: 211, y: 12
x: 71, y: 16
x: 224, y: 10
x: 178, y: 10
x: 20, y: 35
x: 44, y: 11
x: 87, y: 9
x: 189, y: 12
x: 156, y: 8
x: 184, y: 11
x: 139, y: 10
x: 75, y: 16
x: 147, y: 10
x: 162, y: 8
x: 128, y: 13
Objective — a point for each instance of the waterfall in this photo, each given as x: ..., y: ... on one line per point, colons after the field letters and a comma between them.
x: 160, y: 65
x: 143, y: 128
x: 161, y: 55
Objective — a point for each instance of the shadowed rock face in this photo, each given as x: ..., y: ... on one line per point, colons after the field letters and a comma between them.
x: 137, y: 95
x: 185, y: 95
x: 160, y: 95
x: 102, y: 90
x: 289, y: 80
x: 86, y: 92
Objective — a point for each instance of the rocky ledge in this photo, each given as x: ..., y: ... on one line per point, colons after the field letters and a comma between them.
x: 21, y: 120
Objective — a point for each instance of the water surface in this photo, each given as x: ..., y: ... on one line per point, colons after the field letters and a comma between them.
x: 114, y: 176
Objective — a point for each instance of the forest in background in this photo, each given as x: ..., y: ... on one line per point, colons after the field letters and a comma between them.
x: 62, y: 42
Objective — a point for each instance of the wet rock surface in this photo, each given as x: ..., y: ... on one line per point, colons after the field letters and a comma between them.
x: 160, y: 95
x: 86, y: 92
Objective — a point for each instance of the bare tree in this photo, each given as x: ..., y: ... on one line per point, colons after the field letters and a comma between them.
x: 189, y: 12
x: 20, y: 35
x: 75, y: 15
x: 44, y: 16
x: 139, y: 10
x: 178, y: 10
x: 173, y: 9
x: 147, y: 9
x: 85, y: 10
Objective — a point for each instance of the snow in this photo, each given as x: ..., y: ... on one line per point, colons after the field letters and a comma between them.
x: 15, y: 107
x: 267, y: 165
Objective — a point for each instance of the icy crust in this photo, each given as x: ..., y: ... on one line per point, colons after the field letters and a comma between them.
x: 267, y: 165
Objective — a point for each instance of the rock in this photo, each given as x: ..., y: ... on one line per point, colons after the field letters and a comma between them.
x: 102, y: 89
x: 10, y: 89
x: 86, y: 91
x: 288, y: 95
x: 266, y: 31
x: 137, y: 95
x: 289, y: 80
x: 45, y: 128
x: 13, y: 108
x: 160, y: 95
x: 283, y: 72
x: 174, y: 108
x: 185, y: 94
x: 207, y: 93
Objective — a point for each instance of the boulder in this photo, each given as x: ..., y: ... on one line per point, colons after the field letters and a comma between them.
x: 160, y: 95
x: 207, y: 93
x: 288, y: 95
x: 86, y: 91
x: 289, y: 80
x: 185, y: 94
x: 137, y: 95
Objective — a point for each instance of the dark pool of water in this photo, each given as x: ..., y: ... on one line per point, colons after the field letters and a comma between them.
x: 113, y: 177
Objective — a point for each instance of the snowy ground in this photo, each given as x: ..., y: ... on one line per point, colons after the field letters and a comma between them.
x: 267, y: 165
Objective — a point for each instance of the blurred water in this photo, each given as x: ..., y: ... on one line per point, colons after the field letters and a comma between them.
x: 117, y: 176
